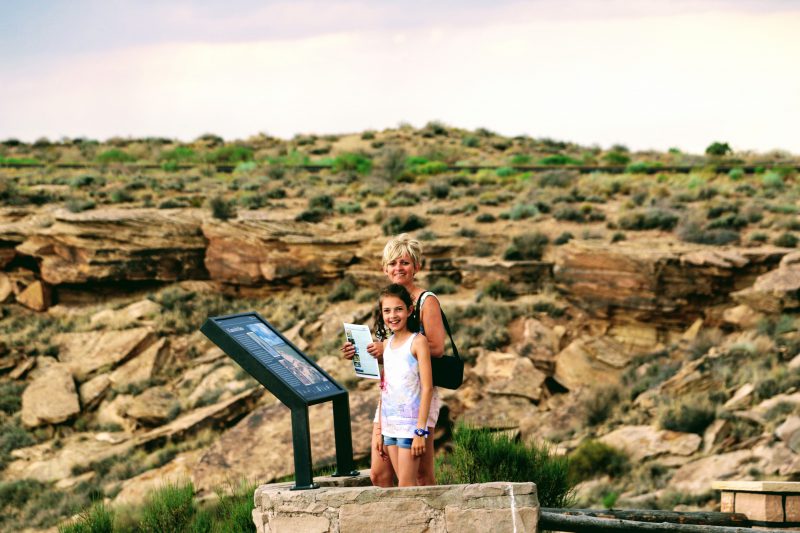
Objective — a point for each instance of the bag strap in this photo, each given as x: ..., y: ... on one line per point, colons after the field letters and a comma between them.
x: 444, y: 320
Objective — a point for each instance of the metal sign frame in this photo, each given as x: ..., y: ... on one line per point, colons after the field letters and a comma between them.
x: 217, y: 329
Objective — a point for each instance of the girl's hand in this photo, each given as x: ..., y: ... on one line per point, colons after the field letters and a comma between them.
x: 375, y: 349
x: 377, y: 443
x: 348, y: 350
x: 418, y: 446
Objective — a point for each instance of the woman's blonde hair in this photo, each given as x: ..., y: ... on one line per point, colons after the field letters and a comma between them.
x: 402, y: 245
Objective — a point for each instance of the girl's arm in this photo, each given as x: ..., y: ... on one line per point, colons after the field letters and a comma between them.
x: 421, y: 351
x: 431, y: 317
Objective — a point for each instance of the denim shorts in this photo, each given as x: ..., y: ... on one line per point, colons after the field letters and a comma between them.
x: 397, y: 441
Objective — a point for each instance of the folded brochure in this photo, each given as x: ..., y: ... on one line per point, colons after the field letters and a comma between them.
x: 364, y: 364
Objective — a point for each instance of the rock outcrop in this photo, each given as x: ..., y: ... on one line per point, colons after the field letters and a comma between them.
x: 51, y: 397
x: 85, y: 353
x: 777, y: 290
x: 119, y: 245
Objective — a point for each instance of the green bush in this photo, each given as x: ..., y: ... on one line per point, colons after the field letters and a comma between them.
x: 593, y: 458
x: 97, y: 519
x: 648, y: 219
x: 772, y: 180
x: 442, y: 285
x: 600, y: 406
x: 520, y: 160
x: 504, y: 172
x: 439, y: 189
x: 470, y: 141
x: 718, y: 149
x: 693, y: 232
x: 485, y: 218
x: 397, y: 224
x: 528, y: 246
x: 586, y: 213
x: 221, y: 208
x: 564, y: 238
x: 480, y: 456
x: 12, y: 437
x: 499, y: 290
x: 230, y: 155
x: 349, y: 208
x: 558, y: 159
x: 523, y: 211
x: 688, y: 416
x: 115, y: 155
x: 617, y: 158
x: 11, y: 396
x: 786, y: 240
x: 179, y: 154
x: 352, y: 163
x: 735, y: 174
x: 169, y: 508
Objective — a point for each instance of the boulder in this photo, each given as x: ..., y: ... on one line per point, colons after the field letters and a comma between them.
x: 84, y: 353
x: 91, y: 392
x: 45, y: 462
x: 716, y: 433
x: 5, y: 288
x: 125, y: 317
x: 657, y: 282
x: 499, y: 412
x: 119, y: 244
x: 36, y: 296
x: 525, y: 380
x: 789, y: 432
x: 50, y: 398
x: 742, y: 316
x: 133, y: 491
x: 588, y: 361
x: 775, y: 290
x: 218, y: 415
x: 252, y: 251
x: 220, y: 384
x: 493, y: 366
x: 694, y: 377
x: 259, y: 447
x: 153, y: 407
x: 143, y: 366
x: 696, y: 477
x: 112, y: 413
x: 642, y: 442
x: 741, y: 397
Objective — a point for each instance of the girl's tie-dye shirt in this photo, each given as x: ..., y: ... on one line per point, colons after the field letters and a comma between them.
x: 402, y: 390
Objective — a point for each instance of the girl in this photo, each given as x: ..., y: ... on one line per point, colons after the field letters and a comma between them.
x: 406, y: 386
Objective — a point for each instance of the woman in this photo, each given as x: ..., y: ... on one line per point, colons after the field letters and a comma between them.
x: 402, y: 260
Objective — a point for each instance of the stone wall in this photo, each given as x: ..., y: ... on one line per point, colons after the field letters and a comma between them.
x: 487, y: 507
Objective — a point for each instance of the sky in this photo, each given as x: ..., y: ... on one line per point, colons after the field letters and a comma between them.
x: 648, y: 74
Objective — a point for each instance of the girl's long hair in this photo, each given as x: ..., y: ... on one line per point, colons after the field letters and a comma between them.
x: 401, y: 292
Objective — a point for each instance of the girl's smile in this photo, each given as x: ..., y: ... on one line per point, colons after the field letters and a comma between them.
x: 395, y: 313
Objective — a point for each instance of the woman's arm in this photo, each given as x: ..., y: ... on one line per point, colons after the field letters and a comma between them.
x: 431, y: 317
x: 420, y: 350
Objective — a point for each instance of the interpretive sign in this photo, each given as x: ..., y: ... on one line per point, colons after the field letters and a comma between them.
x: 296, y: 380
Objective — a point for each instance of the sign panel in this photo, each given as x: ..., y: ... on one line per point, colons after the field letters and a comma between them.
x: 278, y: 356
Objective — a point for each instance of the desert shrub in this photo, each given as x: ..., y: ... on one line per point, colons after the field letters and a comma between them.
x: 397, y: 224
x: 169, y: 508
x: 499, y: 290
x: 353, y: 163
x: 253, y: 201
x: 230, y: 155
x: 528, y: 246
x: 618, y: 237
x: 404, y: 198
x: 586, y: 213
x: 393, y: 162
x: 120, y: 196
x: 12, y: 437
x: 439, y: 189
x: 688, y: 416
x: 96, y: 519
x: 504, y: 172
x: 759, y: 237
x: 467, y: 233
x: 11, y: 396
x: 427, y: 235
x: 322, y: 201
x: 522, y: 211
x: 470, y: 141
x: 179, y: 154
x: 648, y: 219
x: 735, y: 174
x: 717, y: 148
x: 642, y: 167
x: 479, y: 456
x: 616, y: 158
x: 348, y: 208
x: 786, y: 240
x: 520, y: 159
x: 564, y: 238
x: 484, y: 249
x: 690, y: 231
x: 115, y: 155
x: 345, y: 289
x: 442, y: 285
x: 78, y: 205
x: 659, y: 368
x: 485, y: 218
x: 557, y: 178
x: 599, y: 407
x: 221, y: 208
x: 593, y: 458
x: 558, y: 159
x: 86, y: 180
x: 772, y: 180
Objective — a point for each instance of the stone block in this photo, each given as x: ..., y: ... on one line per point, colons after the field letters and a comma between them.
x: 399, y: 515
x: 760, y: 507
x: 490, y: 520
x: 792, y: 508
x: 727, y: 502
x: 299, y: 524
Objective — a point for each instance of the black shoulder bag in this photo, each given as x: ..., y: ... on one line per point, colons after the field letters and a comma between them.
x: 448, y: 370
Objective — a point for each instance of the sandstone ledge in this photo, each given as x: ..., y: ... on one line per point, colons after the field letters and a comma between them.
x: 486, y: 507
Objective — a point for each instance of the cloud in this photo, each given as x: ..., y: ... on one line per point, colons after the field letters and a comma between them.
x: 649, y: 82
